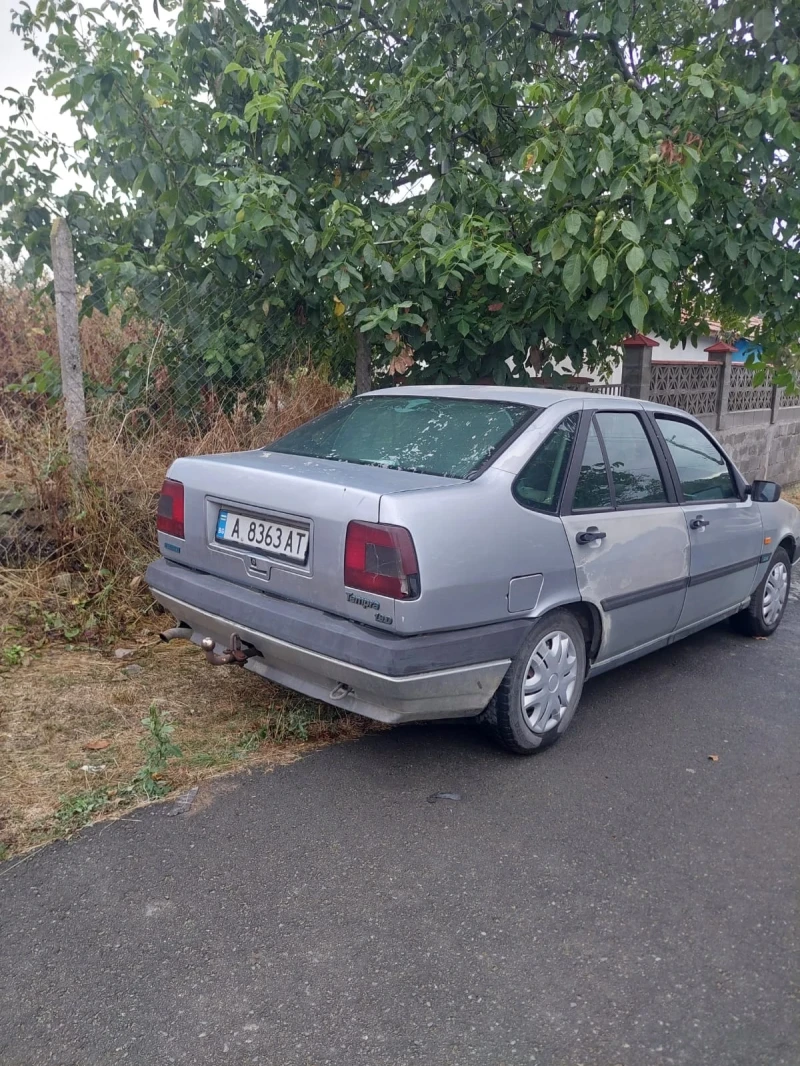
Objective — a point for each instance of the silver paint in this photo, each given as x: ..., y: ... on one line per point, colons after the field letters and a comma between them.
x: 473, y: 540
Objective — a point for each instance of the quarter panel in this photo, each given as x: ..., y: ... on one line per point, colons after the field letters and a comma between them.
x: 471, y: 541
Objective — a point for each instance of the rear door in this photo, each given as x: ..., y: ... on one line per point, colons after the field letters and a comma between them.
x: 626, y: 531
x: 723, y: 524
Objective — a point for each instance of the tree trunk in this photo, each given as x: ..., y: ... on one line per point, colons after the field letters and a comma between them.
x: 69, y: 346
x: 363, y: 363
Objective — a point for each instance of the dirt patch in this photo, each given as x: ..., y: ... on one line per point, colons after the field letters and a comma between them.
x: 73, y: 746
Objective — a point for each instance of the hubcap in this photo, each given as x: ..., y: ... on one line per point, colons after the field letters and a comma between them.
x: 549, y: 682
x: 775, y: 590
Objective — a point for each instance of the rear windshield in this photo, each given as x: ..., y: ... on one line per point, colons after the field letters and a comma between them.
x: 427, y: 435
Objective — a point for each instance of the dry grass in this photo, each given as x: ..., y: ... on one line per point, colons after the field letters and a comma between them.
x: 54, y: 708
x: 28, y: 329
x: 792, y: 494
x: 71, y: 585
x: 75, y: 558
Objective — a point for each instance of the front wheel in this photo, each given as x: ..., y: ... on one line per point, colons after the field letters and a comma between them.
x: 763, y: 614
x: 537, y: 698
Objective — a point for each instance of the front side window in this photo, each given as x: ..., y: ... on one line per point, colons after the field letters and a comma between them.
x: 424, y: 434
x: 702, y: 468
x: 634, y: 469
x: 540, y: 483
x: 592, y: 491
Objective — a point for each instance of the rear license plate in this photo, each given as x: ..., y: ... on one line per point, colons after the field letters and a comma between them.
x: 258, y: 534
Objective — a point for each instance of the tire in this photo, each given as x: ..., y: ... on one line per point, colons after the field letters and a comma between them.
x: 559, y: 638
x: 763, y: 614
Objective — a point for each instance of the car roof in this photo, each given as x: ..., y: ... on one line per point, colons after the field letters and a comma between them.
x: 506, y: 394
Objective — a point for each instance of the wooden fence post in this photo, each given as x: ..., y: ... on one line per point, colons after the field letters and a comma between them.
x: 69, y: 347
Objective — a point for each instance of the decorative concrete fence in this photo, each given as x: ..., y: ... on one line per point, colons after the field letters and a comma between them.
x: 758, y: 425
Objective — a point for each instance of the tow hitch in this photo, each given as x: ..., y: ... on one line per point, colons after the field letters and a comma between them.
x: 238, y: 652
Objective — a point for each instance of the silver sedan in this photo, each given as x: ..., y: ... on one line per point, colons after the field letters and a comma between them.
x: 434, y: 552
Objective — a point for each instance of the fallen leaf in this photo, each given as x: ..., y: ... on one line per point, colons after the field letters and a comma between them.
x: 96, y: 745
x: 714, y: 758
x: 497, y: 306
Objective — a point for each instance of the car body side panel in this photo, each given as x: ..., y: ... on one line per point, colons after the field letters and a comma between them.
x: 636, y: 576
x: 470, y: 544
x: 778, y: 521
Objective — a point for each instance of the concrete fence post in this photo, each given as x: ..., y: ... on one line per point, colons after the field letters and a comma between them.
x: 775, y: 403
x: 721, y: 352
x: 69, y: 348
x: 637, y: 363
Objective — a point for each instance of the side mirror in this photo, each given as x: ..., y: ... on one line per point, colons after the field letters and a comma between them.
x: 765, y: 491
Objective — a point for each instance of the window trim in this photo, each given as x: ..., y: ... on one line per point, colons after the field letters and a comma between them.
x: 527, y: 504
x: 683, y: 500
x: 664, y: 468
x: 587, y: 417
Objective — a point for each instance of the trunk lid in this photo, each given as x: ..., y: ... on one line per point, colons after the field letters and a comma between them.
x: 279, y: 496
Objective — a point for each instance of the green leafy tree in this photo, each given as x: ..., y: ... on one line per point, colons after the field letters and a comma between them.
x: 440, y: 185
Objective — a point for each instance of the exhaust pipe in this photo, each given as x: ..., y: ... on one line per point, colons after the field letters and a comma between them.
x: 181, y: 632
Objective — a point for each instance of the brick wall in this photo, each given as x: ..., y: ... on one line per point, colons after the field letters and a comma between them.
x: 765, y: 451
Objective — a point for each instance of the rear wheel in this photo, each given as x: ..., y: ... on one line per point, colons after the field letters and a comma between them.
x: 538, y: 696
x: 763, y: 614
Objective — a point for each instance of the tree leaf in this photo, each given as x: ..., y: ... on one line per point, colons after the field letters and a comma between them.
x: 488, y: 117
x: 429, y: 233
x: 189, y: 142
x: 571, y: 274
x: 594, y: 118
x: 597, y: 305
x: 605, y: 160
x: 630, y: 231
x: 314, y: 129
x: 618, y: 188
x: 311, y: 244
x: 649, y: 195
x: 764, y: 24
x: 387, y: 270
x: 600, y: 268
x: 572, y: 223
x: 752, y: 128
x: 635, y: 259
x: 637, y: 309
x: 662, y: 260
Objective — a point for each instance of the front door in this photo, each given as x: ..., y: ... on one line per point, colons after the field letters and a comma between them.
x: 724, y: 526
x: 627, y: 533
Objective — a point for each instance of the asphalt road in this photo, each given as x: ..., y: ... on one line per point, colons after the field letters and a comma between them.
x: 621, y: 900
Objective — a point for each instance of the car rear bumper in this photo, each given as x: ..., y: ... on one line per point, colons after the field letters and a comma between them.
x: 369, y: 672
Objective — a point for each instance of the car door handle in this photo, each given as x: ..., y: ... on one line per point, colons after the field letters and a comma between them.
x: 589, y: 535
x: 699, y: 522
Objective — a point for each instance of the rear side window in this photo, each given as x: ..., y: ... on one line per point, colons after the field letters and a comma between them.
x: 634, y: 470
x: 540, y: 483
x: 592, y: 491
x: 424, y: 434
x: 702, y: 468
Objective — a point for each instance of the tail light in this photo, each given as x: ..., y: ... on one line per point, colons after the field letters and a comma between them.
x: 170, y: 509
x: 381, y: 559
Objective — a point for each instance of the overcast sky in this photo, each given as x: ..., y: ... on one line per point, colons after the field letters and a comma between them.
x: 18, y: 68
